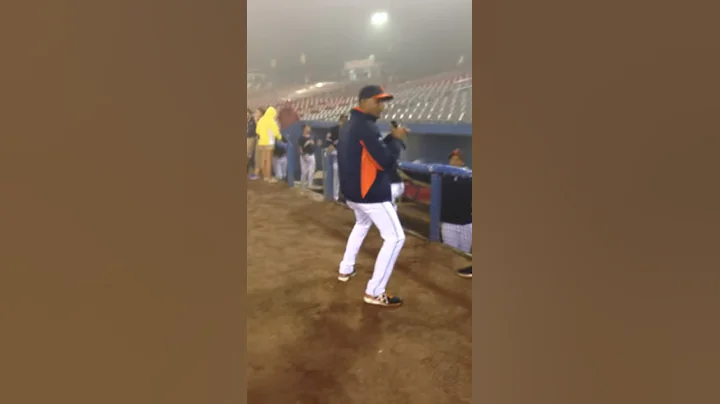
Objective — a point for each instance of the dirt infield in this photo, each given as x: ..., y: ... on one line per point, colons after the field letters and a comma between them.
x: 311, y: 339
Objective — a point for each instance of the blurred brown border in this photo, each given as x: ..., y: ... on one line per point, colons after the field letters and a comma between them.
x: 597, y: 268
x: 122, y: 215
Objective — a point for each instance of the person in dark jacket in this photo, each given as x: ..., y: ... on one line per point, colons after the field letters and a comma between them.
x: 456, y: 208
x: 364, y: 163
x: 331, y: 141
x: 397, y: 145
x: 251, y: 139
x: 306, y: 151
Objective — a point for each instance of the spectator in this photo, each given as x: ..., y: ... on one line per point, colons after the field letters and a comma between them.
x: 287, y: 116
x: 251, y: 141
x: 396, y: 142
x: 280, y: 159
x: 331, y: 145
x: 456, y: 208
x: 268, y: 133
x: 306, y: 150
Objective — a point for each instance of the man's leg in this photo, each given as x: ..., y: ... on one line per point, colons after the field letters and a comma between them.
x: 303, y: 170
x: 249, y: 151
x: 268, y: 163
x: 396, y: 189
x: 311, y: 169
x: 450, y: 234
x: 336, y: 179
x: 252, y: 157
x: 283, y: 166
x: 354, y: 242
x: 277, y: 167
x: 257, y: 163
x: 385, y: 218
x: 466, y: 238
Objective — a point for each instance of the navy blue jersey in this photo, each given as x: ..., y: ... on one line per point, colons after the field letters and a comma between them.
x: 364, y: 160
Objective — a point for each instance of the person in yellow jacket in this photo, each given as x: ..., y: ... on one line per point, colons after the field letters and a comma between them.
x: 268, y: 133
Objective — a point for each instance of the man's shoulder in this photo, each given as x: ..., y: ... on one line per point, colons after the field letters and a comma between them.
x: 363, y: 125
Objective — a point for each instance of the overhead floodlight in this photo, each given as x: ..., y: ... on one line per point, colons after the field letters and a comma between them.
x: 378, y: 19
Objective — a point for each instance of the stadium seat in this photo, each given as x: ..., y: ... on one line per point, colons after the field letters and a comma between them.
x: 439, y: 99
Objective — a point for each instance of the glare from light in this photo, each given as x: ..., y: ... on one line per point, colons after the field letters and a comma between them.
x: 379, y: 18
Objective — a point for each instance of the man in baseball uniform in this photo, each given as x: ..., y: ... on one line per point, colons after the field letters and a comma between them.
x: 364, y: 162
x: 396, y: 142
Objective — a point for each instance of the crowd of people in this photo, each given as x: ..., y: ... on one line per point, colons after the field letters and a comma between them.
x: 267, y: 146
x: 267, y: 160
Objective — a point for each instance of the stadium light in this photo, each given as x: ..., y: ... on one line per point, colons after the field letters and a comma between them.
x: 379, y: 19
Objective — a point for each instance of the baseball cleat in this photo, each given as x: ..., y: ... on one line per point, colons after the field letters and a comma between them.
x: 384, y: 300
x: 465, y: 272
x: 346, y: 277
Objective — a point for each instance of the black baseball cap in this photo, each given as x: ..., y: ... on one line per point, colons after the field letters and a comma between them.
x: 376, y: 92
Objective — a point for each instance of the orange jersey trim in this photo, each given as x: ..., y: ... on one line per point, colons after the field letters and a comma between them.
x: 368, y: 170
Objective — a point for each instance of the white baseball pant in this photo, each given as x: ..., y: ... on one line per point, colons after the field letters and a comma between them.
x: 336, y: 176
x: 307, y: 169
x: 396, y: 191
x: 336, y: 181
x: 457, y: 235
x: 384, y: 217
x: 280, y: 164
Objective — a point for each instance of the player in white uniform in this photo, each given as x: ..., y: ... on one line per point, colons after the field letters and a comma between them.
x: 364, y: 162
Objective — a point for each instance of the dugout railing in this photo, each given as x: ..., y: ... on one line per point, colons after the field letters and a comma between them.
x: 435, y: 173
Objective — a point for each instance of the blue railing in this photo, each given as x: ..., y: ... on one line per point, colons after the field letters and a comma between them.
x: 462, y: 129
x: 437, y: 173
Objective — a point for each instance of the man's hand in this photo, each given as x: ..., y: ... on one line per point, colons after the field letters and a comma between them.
x: 330, y: 148
x: 399, y: 132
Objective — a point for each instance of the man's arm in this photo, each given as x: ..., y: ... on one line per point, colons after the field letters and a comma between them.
x: 378, y: 150
x: 395, y: 146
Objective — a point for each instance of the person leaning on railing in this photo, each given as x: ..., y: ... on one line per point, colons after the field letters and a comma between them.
x: 456, y: 208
